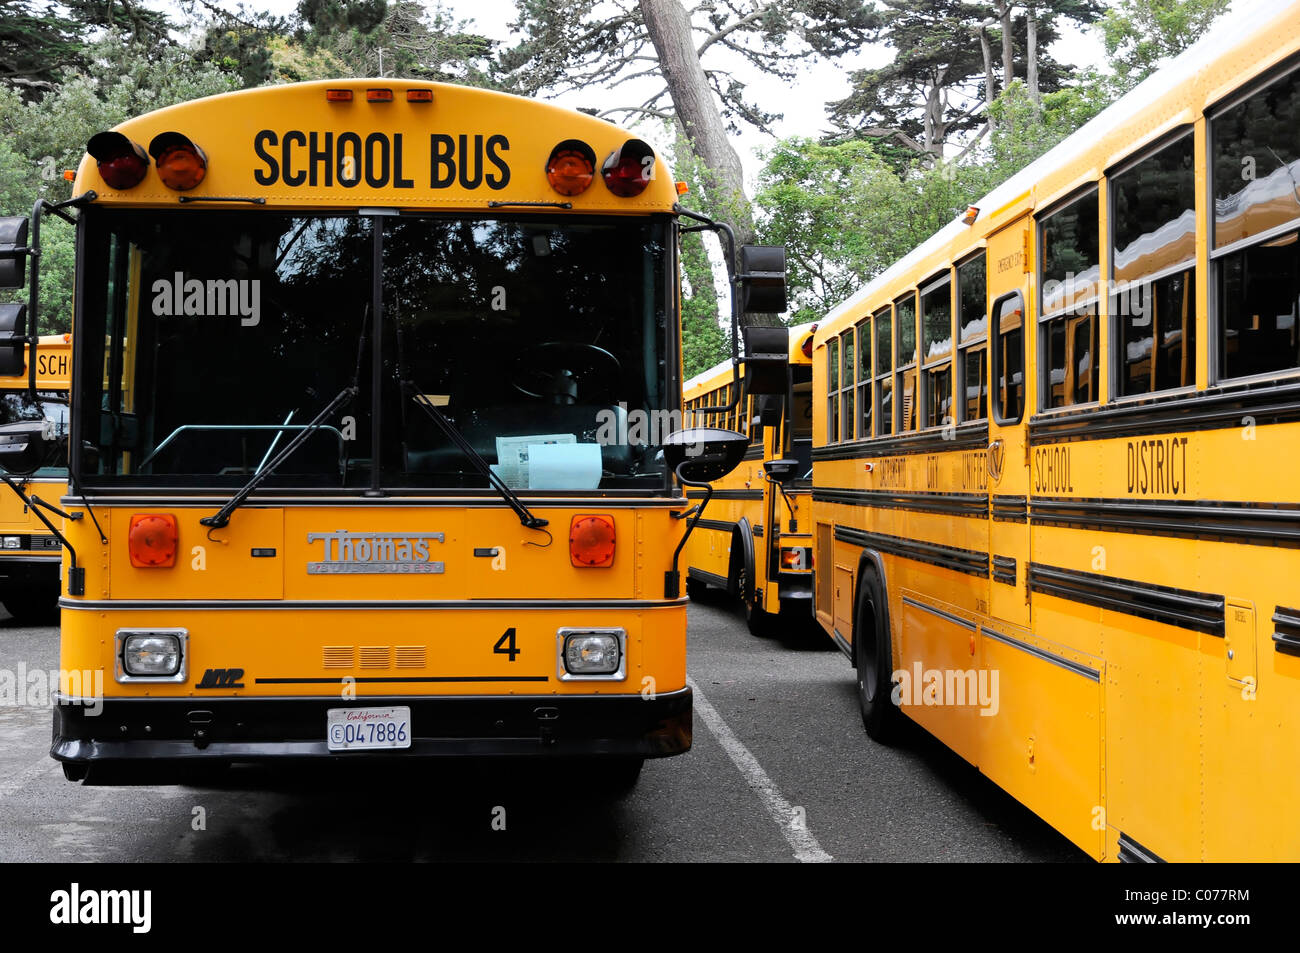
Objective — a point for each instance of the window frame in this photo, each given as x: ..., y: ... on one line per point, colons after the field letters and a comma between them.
x: 978, y: 341
x: 929, y: 367
x: 1072, y: 309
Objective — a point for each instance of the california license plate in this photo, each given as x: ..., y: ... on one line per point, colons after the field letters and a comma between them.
x: 359, y: 729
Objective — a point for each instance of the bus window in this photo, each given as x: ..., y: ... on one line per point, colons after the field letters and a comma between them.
x: 972, y: 338
x: 864, y: 379
x: 883, y: 322
x: 936, y: 345
x: 847, y: 366
x: 1068, y: 327
x: 1153, y: 221
x: 1256, y: 257
x: 832, y: 390
x: 1009, y: 358
x: 905, y: 361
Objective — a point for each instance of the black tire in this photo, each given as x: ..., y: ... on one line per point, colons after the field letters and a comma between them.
x: 38, y: 606
x: 74, y: 771
x: 761, y: 623
x: 873, y: 661
x: 697, y: 591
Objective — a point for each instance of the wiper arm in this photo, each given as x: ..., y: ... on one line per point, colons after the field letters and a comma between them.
x: 222, y: 516
x: 455, y: 436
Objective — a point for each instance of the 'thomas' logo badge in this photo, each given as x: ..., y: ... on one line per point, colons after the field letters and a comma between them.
x: 374, y: 552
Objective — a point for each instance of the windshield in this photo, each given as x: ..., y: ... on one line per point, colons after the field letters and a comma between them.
x: 223, y: 333
x: 17, y: 406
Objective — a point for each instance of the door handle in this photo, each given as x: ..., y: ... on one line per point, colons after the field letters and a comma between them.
x: 994, y: 458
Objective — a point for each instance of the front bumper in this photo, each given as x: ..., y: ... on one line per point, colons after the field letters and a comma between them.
x: 190, y: 730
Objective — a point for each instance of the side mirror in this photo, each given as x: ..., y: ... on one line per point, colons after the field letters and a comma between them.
x: 26, y: 445
x: 781, y: 471
x: 767, y: 360
x: 704, y: 454
x: 762, y: 279
x: 13, y: 339
x: 13, y: 263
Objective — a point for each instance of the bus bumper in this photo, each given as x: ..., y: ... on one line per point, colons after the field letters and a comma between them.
x: 188, y: 730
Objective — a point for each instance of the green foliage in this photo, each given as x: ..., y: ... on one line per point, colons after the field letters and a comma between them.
x: 704, y: 342
x: 36, y: 45
x: 1139, y: 34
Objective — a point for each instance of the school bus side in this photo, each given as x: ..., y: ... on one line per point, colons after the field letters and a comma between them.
x: 752, y: 543
x: 29, y: 553
x: 1079, y: 574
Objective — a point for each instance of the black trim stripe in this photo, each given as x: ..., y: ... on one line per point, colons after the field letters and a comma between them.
x: 1185, y: 608
x: 727, y: 495
x: 1087, y: 671
x: 841, y: 644
x: 1131, y: 852
x: 947, y: 616
x: 722, y: 526
x: 755, y: 452
x: 385, y: 679
x: 1269, y: 524
x: 1004, y: 570
x: 542, y: 605
x: 1010, y: 509
x: 975, y: 505
x: 1218, y: 408
x: 704, y: 576
x: 948, y: 557
x: 188, y: 497
x: 967, y: 437
x: 1286, y: 632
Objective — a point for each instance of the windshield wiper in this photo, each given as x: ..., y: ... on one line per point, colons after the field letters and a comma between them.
x: 222, y: 516
x: 455, y: 436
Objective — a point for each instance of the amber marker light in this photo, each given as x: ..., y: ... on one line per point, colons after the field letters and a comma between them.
x: 972, y: 213
x: 151, y: 540
x: 338, y: 95
x: 181, y: 163
x: 419, y: 95
x: 591, y: 542
x: 571, y: 167
x: 379, y: 95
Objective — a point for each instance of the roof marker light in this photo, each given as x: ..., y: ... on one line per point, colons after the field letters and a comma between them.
x: 181, y: 163
x: 338, y: 95
x: 122, y: 163
x: 571, y: 167
x: 419, y: 95
x: 629, y: 168
x: 379, y: 95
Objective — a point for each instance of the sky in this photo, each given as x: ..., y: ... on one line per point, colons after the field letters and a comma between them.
x: 802, y: 107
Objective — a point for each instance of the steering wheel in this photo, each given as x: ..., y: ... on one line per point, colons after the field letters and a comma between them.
x: 559, y: 370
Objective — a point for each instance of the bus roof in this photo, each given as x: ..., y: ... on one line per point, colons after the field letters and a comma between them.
x: 288, y: 146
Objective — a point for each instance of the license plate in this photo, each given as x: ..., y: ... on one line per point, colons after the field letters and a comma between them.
x: 359, y: 729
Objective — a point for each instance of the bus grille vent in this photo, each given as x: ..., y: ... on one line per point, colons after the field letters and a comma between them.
x: 376, y: 656
x: 338, y: 656
x: 411, y: 656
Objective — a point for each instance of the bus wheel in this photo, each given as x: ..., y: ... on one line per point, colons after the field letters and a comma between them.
x: 873, y: 659
x: 73, y: 771
x: 35, y: 607
x: 761, y: 622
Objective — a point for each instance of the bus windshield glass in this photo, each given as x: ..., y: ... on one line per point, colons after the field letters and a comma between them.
x: 223, y: 334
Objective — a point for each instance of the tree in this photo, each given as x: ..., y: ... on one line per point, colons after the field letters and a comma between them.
x: 1139, y: 34
x: 36, y: 45
x: 684, y: 59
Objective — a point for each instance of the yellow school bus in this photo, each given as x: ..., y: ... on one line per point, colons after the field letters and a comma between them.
x: 756, y: 543
x: 374, y: 384
x: 1056, y: 524
x: 29, y: 552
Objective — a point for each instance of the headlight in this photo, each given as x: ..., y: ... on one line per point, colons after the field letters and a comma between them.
x: 592, y: 653
x: 152, y: 654
x: 12, y: 542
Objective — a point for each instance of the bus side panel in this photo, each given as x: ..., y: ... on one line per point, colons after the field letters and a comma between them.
x: 1041, y: 729
x: 936, y: 655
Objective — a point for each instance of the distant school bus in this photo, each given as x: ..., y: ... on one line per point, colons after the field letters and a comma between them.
x: 376, y: 402
x: 756, y: 543
x: 30, y: 553
x: 1056, y: 520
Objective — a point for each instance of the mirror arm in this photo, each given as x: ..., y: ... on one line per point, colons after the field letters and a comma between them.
x: 672, y: 578
x: 33, y: 252
x: 725, y: 231
x: 76, y: 575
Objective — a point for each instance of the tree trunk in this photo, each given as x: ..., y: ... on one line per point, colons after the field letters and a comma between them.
x: 669, y: 28
x: 1008, y: 44
x: 1031, y: 73
x: 990, y: 94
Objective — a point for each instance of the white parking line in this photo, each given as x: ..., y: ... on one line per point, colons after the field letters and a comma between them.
x: 797, y: 835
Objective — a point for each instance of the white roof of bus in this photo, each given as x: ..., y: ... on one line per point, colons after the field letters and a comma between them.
x: 1245, y: 19
x: 703, y: 376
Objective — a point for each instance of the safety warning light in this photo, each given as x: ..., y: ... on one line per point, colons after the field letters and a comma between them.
x: 181, y: 163
x: 629, y: 168
x: 122, y: 163
x: 151, y: 540
x: 591, y: 542
x: 571, y: 167
x: 807, y: 346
